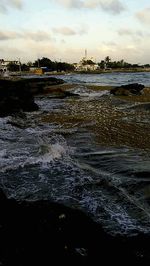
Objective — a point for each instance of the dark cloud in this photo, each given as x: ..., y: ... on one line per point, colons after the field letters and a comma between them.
x: 111, y: 6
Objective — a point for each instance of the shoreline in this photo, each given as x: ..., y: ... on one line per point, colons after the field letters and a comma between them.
x: 144, y: 97
x: 107, y: 71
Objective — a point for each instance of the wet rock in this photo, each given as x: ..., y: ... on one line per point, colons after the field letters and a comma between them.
x: 40, y: 85
x: 57, y: 92
x: 18, y: 94
x: 129, y: 89
x: 44, y: 232
x: 14, y: 98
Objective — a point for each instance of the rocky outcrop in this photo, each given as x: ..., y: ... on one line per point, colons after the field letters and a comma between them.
x: 46, y: 233
x: 18, y: 94
x: 127, y: 90
x: 15, y: 97
x: 40, y: 85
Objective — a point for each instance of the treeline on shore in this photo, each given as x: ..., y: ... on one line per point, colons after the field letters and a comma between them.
x: 44, y: 62
x: 49, y: 65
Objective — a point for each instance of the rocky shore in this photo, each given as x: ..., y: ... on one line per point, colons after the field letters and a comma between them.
x: 17, y: 94
x: 43, y: 232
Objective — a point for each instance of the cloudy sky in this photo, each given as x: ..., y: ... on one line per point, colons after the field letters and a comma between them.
x: 63, y: 29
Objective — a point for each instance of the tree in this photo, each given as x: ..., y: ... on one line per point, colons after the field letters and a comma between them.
x: 102, y: 64
x: 25, y: 67
x: 107, y: 60
x: 12, y: 66
x: 62, y: 66
x: 53, y: 66
x: 88, y: 62
x: 29, y: 64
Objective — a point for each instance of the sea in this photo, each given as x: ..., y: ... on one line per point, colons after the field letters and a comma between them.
x: 90, y: 152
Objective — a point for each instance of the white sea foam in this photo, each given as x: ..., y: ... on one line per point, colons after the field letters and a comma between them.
x: 83, y: 91
x: 48, y: 153
x: 33, y: 145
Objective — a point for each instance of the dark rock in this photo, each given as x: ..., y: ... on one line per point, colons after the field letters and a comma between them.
x: 15, y: 97
x: 64, y: 94
x: 129, y: 89
x: 71, y: 94
x: 39, y: 85
x: 18, y: 95
x: 46, y: 233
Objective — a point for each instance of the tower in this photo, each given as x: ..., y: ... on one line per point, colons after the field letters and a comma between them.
x: 85, y: 53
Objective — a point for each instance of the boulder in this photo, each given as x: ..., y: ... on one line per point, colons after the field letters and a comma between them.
x: 127, y: 90
x: 18, y: 94
x: 15, y: 97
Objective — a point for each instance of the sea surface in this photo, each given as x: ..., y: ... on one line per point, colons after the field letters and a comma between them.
x: 113, y: 79
x: 90, y: 152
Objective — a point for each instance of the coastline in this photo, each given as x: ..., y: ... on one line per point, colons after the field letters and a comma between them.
x: 101, y: 71
x: 144, y: 97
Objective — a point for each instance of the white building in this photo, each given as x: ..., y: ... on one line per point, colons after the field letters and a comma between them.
x: 4, y: 66
x: 86, y: 64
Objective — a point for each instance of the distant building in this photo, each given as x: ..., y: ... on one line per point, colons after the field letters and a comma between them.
x: 86, y: 64
x: 38, y: 70
x: 4, y: 65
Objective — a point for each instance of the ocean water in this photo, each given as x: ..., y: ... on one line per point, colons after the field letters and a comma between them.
x: 112, y: 79
x: 91, y: 152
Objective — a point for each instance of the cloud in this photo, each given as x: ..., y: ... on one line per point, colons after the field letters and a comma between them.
x: 71, y: 3
x: 111, y: 6
x: 67, y: 31
x: 144, y: 16
x: 125, y: 31
x: 6, y: 4
x: 131, y: 33
x: 64, y: 31
x: 110, y: 44
x: 9, y: 35
x: 38, y: 36
x: 16, y: 3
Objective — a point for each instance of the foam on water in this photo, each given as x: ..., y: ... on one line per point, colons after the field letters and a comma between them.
x: 21, y: 147
x: 83, y: 91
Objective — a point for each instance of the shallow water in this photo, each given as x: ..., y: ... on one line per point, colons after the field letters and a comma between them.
x: 91, y: 152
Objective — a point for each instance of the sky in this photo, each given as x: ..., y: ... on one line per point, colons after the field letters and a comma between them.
x: 62, y: 29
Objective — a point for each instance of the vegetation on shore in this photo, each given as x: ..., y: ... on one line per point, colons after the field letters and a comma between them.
x: 106, y: 65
